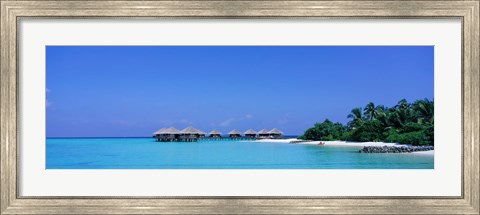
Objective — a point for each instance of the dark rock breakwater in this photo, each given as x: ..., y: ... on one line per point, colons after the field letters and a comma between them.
x: 395, y: 149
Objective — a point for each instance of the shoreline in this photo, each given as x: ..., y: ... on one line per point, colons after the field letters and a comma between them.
x: 343, y: 143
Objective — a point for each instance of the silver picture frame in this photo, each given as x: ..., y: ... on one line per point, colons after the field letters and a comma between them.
x: 12, y: 11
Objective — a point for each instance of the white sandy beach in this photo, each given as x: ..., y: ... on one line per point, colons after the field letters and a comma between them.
x: 342, y: 143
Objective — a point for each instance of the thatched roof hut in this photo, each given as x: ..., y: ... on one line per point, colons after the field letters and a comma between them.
x: 159, y: 131
x: 202, y: 133
x: 191, y: 130
x: 170, y: 131
x: 215, y: 133
x: 275, y: 131
x: 250, y: 133
x: 234, y: 133
x: 263, y: 133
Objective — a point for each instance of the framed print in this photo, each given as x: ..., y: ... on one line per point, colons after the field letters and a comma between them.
x: 239, y: 107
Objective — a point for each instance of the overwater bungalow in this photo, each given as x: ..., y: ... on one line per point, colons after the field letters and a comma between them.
x: 275, y: 133
x: 168, y: 134
x: 215, y: 133
x: 250, y: 133
x: 202, y: 134
x: 234, y: 133
x: 157, y: 133
x: 190, y: 134
x: 263, y: 133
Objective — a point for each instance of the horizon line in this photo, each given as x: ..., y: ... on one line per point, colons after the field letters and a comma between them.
x: 141, y: 136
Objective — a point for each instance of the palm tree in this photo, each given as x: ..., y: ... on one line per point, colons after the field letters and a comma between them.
x: 380, y: 108
x: 356, y: 116
x: 424, y: 110
x: 369, y: 111
x: 383, y: 116
x: 401, y: 116
x: 402, y: 104
x: 401, y: 113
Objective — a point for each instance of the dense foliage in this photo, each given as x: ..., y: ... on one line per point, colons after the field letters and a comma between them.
x: 406, y: 123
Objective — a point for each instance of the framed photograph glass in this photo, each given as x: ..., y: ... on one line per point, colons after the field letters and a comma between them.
x: 239, y: 107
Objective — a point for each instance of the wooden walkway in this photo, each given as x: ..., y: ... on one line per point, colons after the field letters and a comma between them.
x: 228, y: 138
x: 178, y: 139
x: 195, y: 139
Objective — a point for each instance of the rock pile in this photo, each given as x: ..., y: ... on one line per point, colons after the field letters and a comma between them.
x: 394, y: 149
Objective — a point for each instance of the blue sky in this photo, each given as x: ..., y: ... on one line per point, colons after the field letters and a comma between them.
x: 131, y: 91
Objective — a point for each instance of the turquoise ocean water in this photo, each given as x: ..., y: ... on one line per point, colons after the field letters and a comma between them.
x: 145, y: 153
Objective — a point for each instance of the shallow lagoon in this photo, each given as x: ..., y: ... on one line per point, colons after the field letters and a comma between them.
x: 145, y: 153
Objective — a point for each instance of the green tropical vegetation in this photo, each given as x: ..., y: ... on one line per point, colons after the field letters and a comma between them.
x: 405, y: 123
